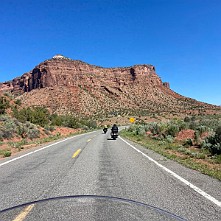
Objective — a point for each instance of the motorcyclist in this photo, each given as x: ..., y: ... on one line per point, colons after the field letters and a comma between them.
x: 105, y: 129
x: 114, y: 129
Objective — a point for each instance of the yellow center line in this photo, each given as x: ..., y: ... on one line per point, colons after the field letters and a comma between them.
x: 88, y: 140
x: 24, y: 213
x: 76, y: 153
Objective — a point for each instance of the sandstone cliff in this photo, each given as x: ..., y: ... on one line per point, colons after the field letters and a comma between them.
x: 71, y: 86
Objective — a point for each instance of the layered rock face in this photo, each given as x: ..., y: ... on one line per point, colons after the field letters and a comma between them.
x: 61, y: 71
x: 71, y: 86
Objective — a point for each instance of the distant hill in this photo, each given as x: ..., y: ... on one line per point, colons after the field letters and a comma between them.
x: 67, y: 86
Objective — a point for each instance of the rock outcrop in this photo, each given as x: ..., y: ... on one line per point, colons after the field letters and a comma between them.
x: 72, y: 86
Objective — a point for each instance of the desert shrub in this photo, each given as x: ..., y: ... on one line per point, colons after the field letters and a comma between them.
x: 172, y: 130
x: 213, y: 144
x: 8, y: 128
x: 140, y: 131
x: 18, y: 102
x: 169, y: 139
x: 36, y: 115
x: 183, y: 125
x: 210, y: 123
x: 70, y: 121
x: 218, y: 134
x: 1, y: 134
x: 56, y: 120
x: 7, y: 153
x: 193, y: 125
x: 181, y: 149
x: 188, y: 143
x: 29, y: 125
x: 131, y: 128
x: 84, y: 127
x: 40, y: 116
x: 197, y: 139
x: 202, y: 128
x: 91, y: 124
x: 22, y: 130
x: 49, y: 128
x: 27, y: 130
x: 154, y: 128
x: 4, y: 104
x: 146, y: 127
x: 3, y: 118
x: 162, y: 142
x: 33, y: 133
x: 22, y: 115
x: 215, y: 148
x: 7, y: 133
x: 136, y: 130
x: 187, y: 119
x: 193, y: 118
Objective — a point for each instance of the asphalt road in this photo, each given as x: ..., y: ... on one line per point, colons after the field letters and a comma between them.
x: 93, y: 164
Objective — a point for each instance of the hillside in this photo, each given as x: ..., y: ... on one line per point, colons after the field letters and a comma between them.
x: 67, y: 86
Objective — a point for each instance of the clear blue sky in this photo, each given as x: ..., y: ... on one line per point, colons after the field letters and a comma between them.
x: 181, y: 38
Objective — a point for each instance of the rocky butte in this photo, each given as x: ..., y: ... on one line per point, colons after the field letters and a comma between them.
x: 67, y: 86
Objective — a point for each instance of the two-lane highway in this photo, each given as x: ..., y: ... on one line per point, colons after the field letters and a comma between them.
x: 94, y: 164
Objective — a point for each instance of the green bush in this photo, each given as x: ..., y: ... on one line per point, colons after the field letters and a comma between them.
x: 33, y: 133
x: 215, y: 148
x: 56, y: 120
x: 169, y: 139
x: 7, y: 153
x: 139, y: 131
x: 182, y: 149
x: 8, y: 128
x: 172, y: 130
x: 193, y: 125
x: 197, y: 139
x: 188, y: 143
x: 154, y: 128
x: 187, y: 119
x: 35, y: 115
x: 4, y: 104
x: 49, y: 128
x: 218, y: 133
x: 18, y: 102
x: 70, y: 121
x: 91, y: 124
x: 202, y: 129
x: 213, y: 144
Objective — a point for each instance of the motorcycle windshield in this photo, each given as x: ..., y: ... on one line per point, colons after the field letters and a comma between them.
x: 86, y: 208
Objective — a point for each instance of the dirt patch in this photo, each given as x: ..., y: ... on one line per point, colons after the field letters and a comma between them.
x: 64, y: 131
x: 7, y: 144
x: 185, y: 134
x: 178, y: 154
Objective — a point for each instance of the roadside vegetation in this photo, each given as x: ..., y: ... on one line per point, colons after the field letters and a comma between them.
x: 194, y: 141
x: 26, y: 127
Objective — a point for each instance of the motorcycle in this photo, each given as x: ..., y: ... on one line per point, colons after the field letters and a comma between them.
x: 114, y: 135
x: 105, y: 130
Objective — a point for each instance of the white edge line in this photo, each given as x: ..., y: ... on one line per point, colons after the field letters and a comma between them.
x: 198, y: 190
x: 9, y: 161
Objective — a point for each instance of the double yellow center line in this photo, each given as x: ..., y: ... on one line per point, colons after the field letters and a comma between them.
x: 79, y: 150
x: 76, y: 153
